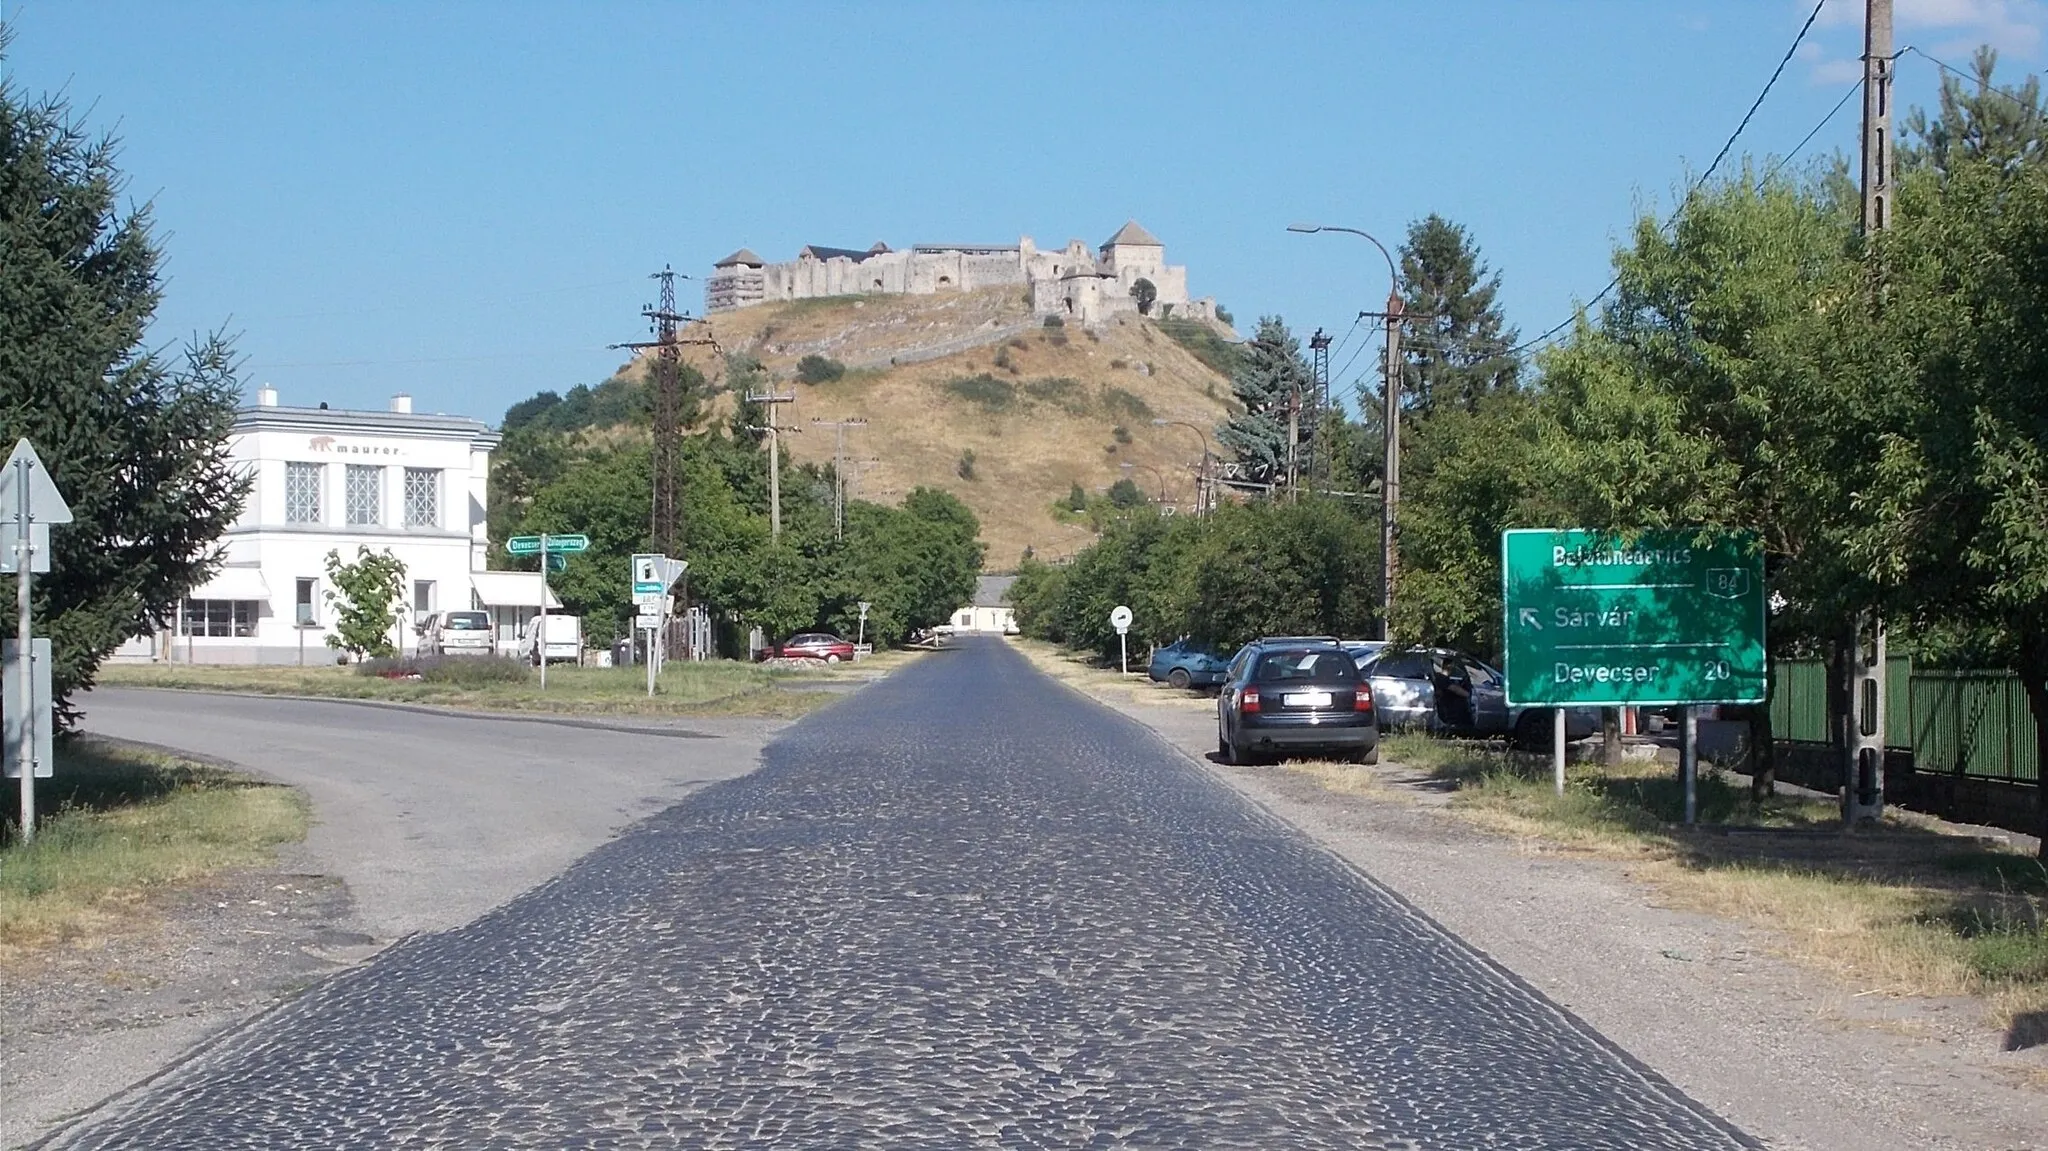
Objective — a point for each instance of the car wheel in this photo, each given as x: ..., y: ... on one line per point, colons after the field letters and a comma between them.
x: 1179, y: 678
x: 1370, y: 757
x: 832, y: 657
x: 1532, y: 731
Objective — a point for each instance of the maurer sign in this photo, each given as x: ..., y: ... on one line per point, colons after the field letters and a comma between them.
x: 1666, y: 617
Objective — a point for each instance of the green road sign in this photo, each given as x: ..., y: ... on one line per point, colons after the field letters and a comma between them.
x: 530, y: 545
x: 1659, y: 620
x: 556, y: 560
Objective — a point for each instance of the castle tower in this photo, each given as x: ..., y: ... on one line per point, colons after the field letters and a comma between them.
x: 736, y: 281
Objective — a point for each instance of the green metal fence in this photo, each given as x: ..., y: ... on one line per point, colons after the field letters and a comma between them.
x: 1957, y: 722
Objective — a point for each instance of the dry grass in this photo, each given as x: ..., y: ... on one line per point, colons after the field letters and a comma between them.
x: 1080, y: 671
x: 714, y: 687
x: 1030, y: 451
x: 129, y: 823
x: 1904, y: 909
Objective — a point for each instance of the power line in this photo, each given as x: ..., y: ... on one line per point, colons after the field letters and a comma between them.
x: 1561, y: 325
x: 2033, y: 107
x: 1808, y: 138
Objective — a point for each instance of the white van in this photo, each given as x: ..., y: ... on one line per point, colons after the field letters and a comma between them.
x: 457, y: 633
x: 564, y: 639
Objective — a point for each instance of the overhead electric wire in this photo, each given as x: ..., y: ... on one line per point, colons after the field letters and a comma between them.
x: 1960, y: 75
x: 1524, y: 347
x: 1808, y: 138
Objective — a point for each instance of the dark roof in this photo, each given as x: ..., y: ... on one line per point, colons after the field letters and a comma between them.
x: 821, y: 252
x: 990, y: 590
x: 745, y: 257
x: 1131, y: 233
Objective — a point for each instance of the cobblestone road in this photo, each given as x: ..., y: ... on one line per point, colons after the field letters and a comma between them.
x: 962, y: 909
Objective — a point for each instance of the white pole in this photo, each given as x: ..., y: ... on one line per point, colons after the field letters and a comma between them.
x: 1124, y: 644
x: 24, y: 662
x: 540, y: 634
x: 1689, y: 762
x: 1557, y: 746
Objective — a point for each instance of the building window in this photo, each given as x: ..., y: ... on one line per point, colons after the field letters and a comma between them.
x: 422, y: 497
x: 304, y: 614
x: 228, y: 618
x: 422, y: 596
x: 302, y: 492
x: 365, y: 495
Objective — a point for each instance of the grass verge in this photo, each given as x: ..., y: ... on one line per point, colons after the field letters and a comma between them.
x: 129, y: 822
x: 1906, y: 908
x: 713, y: 687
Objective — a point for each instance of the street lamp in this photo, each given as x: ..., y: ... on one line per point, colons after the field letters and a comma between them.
x: 1390, y: 420
x: 1203, y: 483
x: 1128, y: 465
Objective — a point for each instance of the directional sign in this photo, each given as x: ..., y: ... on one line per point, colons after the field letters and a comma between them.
x: 557, y: 562
x: 1659, y: 619
x: 530, y: 545
x: 10, y: 685
x: 45, y: 504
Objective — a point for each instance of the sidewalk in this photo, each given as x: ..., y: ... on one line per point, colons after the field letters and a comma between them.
x: 1797, y: 1058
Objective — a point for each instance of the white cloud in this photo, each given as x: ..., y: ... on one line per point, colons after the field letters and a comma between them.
x: 1947, y: 28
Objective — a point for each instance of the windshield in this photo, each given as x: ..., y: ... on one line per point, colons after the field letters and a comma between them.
x: 467, y: 621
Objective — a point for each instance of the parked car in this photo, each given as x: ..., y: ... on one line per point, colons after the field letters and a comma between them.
x: 1184, y: 665
x: 1283, y: 695
x: 457, y: 633
x: 564, y: 643
x: 815, y: 645
x: 1446, y: 691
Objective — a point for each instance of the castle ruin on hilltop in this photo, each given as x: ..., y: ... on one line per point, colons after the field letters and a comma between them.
x: 1071, y: 282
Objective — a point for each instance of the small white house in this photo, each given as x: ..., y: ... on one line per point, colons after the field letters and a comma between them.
x: 988, y: 614
x: 332, y: 481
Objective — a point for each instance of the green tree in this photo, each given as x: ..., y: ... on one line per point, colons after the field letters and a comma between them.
x: 815, y: 369
x: 1961, y: 495
x: 136, y: 442
x: 604, y: 496
x: 1077, y: 499
x: 1455, y: 349
x: 1977, y: 122
x: 1270, y: 375
x: 367, y: 596
x: 1144, y: 292
x: 1125, y: 494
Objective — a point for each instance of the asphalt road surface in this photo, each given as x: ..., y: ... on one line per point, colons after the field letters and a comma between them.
x: 963, y: 908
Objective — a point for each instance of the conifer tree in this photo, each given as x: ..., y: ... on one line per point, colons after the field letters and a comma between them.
x: 137, y: 445
x: 1980, y: 121
x: 1456, y: 342
x: 1269, y: 374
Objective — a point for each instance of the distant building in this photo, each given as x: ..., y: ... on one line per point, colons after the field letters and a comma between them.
x: 330, y: 481
x: 989, y: 613
x: 1070, y: 282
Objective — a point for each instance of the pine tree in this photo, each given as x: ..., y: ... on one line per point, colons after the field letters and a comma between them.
x: 2005, y: 127
x: 137, y: 445
x: 1456, y: 344
x: 1270, y: 374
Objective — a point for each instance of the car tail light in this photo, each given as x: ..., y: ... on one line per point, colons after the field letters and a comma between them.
x: 1361, y: 700
x: 1249, y: 701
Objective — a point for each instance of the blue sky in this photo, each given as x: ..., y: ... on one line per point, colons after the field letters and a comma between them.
x: 463, y: 200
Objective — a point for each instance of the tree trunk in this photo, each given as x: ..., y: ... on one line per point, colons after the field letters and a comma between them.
x: 1610, y: 736
x: 1763, y: 741
x: 2033, y: 671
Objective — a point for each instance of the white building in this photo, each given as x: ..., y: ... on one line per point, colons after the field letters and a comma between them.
x: 990, y: 613
x: 331, y: 481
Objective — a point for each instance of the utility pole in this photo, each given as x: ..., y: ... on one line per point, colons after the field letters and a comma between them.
x: 839, y: 470
x: 1390, y: 467
x: 772, y: 400
x: 1862, y: 654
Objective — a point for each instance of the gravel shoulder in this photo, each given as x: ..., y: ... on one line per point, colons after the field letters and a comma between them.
x: 1797, y: 1058
x: 423, y: 820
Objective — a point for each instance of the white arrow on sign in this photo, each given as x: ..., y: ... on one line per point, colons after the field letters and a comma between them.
x: 1530, y: 618
x: 45, y: 504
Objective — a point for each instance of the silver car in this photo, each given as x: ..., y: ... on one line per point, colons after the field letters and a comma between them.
x: 1405, y: 690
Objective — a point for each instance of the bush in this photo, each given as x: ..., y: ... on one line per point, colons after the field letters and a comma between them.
x: 1119, y: 365
x: 459, y: 671
x: 1055, y: 322
x: 1219, y: 354
x: 1223, y: 315
x: 1003, y: 360
x: 819, y: 370
x: 1121, y: 434
x: 1125, y: 494
x: 1121, y: 403
x: 1065, y: 392
x: 965, y: 468
x: 985, y: 391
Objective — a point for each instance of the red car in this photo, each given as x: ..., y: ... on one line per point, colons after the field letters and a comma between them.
x: 815, y: 645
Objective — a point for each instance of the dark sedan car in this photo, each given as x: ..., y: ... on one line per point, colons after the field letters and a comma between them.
x: 1184, y: 665
x: 816, y: 645
x: 1295, y: 695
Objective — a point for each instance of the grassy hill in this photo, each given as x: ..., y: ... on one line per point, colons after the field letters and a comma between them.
x: 938, y: 377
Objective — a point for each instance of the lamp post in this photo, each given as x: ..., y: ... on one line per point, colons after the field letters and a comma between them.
x: 1390, y: 421
x: 1128, y: 465
x: 1203, y: 483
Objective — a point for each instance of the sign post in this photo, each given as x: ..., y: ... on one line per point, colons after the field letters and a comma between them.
x: 1120, y: 619
x: 27, y: 490
x: 652, y: 575
x: 1672, y: 618
x: 552, y: 550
